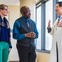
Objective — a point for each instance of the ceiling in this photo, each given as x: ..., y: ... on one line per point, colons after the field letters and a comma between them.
x: 10, y: 2
x: 13, y: 2
x: 37, y: 0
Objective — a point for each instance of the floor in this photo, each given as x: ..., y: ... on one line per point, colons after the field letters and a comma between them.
x: 13, y: 61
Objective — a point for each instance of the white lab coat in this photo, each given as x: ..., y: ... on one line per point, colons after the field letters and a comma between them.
x: 56, y: 33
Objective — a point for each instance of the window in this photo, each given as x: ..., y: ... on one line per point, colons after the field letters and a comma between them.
x: 38, y: 43
x: 60, y: 0
x: 45, y: 12
x: 48, y: 16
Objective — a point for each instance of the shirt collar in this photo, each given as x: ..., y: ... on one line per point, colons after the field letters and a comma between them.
x: 0, y: 19
x: 25, y: 20
x: 4, y: 19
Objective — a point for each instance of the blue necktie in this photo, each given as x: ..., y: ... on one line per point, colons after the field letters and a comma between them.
x: 27, y: 21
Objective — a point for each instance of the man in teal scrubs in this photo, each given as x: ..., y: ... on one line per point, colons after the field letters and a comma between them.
x: 5, y: 44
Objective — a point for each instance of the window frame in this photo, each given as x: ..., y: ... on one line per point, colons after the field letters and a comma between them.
x: 36, y: 17
x: 43, y: 24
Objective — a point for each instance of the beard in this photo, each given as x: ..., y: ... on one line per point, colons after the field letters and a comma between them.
x: 26, y: 16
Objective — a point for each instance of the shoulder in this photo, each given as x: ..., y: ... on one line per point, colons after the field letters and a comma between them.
x: 6, y: 19
x: 19, y: 19
x: 33, y: 22
x: 17, y: 23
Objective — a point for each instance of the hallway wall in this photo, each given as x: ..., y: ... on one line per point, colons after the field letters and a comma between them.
x: 13, y: 14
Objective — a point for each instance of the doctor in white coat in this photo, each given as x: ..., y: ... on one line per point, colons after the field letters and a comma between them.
x: 56, y: 32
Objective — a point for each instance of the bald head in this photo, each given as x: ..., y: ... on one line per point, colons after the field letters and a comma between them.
x: 25, y: 11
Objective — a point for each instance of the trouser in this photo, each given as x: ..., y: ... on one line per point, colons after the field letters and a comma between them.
x: 26, y: 54
x: 4, y: 51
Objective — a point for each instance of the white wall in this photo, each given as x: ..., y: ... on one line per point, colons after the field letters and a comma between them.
x: 13, y: 14
x: 10, y: 2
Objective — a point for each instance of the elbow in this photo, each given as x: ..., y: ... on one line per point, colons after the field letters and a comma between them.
x: 36, y: 36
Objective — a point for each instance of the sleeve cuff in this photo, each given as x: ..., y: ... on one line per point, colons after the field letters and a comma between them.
x: 49, y: 30
x: 10, y: 46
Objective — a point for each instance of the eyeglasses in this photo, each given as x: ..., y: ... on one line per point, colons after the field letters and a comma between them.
x: 5, y: 9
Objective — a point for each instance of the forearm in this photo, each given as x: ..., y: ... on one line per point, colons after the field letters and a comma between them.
x: 18, y: 36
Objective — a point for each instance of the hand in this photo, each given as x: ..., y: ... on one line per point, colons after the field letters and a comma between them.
x: 31, y: 35
x: 49, y: 24
x: 10, y: 49
x: 59, y: 24
x: 28, y: 34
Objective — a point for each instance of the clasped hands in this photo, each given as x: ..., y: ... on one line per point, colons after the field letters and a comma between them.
x: 30, y: 35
